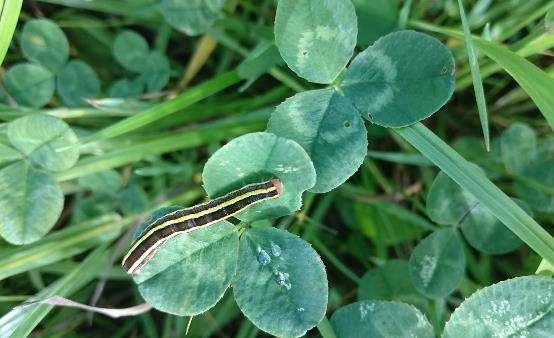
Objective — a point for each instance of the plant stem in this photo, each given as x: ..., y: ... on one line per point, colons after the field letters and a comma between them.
x: 435, y: 319
x: 325, y: 329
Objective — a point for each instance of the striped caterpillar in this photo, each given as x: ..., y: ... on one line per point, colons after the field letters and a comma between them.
x: 189, y: 219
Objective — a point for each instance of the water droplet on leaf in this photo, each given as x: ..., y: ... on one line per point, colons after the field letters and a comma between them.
x: 264, y: 258
x: 300, y: 309
x: 275, y: 250
x: 282, y: 279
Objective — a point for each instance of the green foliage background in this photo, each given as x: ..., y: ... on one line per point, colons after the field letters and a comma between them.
x: 394, y: 212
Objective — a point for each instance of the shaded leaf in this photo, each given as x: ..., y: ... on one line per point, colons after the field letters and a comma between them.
x: 281, y: 284
x: 518, y: 145
x: 316, y: 38
x: 30, y: 85
x: 522, y: 306
x: 31, y: 202
x: 88, y: 206
x: 46, y: 140
x: 155, y: 72
x: 447, y: 202
x: 329, y: 128
x: 536, y: 185
x: 437, y: 264
x: 43, y: 42
x: 191, y: 17
x: 403, y: 78
x: 388, y: 282
x: 474, y: 181
x: 487, y: 234
x: 76, y: 82
x: 127, y: 88
x: 380, y: 319
x: 131, y: 50
x: 106, y: 182
x: 473, y: 150
x: 133, y: 199
x: 546, y: 148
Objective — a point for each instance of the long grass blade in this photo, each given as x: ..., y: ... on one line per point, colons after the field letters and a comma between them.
x: 530, y: 77
x: 168, y: 107
x: 476, y: 77
x: 9, y: 10
x: 404, y: 14
x: 537, y: 46
x: 545, y: 268
x: 20, y: 321
x: 140, y: 9
x: 60, y: 245
x: 475, y: 182
x: 400, y: 158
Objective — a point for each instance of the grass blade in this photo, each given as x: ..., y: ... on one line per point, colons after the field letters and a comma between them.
x: 530, y: 77
x: 60, y: 245
x: 20, y: 321
x: 400, y: 158
x: 545, y: 268
x: 476, y: 77
x: 168, y: 107
x: 139, y: 9
x: 404, y: 14
x: 9, y: 10
x: 537, y: 46
x: 472, y: 180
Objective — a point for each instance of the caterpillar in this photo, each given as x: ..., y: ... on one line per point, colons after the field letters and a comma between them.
x: 189, y: 219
